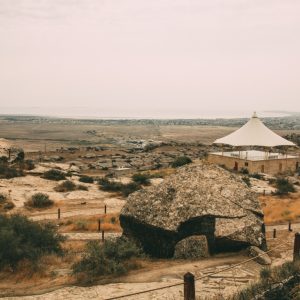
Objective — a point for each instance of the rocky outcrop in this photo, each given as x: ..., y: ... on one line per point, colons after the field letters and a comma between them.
x: 261, y: 257
x: 192, y: 247
x: 201, y: 199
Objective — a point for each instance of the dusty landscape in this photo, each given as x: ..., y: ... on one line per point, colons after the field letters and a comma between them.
x: 119, y: 152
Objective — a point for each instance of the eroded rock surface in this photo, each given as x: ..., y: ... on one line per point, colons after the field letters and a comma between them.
x: 201, y: 199
x: 192, y: 247
x: 261, y: 257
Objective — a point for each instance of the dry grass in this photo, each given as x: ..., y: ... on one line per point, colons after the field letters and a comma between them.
x: 281, y: 209
x: 109, y: 222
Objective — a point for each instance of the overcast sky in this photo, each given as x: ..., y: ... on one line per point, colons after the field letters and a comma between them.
x: 157, y: 58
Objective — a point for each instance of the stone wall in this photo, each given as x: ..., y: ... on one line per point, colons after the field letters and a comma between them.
x: 270, y: 166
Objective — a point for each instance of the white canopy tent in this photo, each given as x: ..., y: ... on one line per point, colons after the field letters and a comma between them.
x: 254, y: 133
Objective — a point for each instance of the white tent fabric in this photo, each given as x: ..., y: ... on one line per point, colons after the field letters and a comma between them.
x: 254, y: 133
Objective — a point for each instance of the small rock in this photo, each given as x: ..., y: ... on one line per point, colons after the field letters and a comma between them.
x: 263, y: 259
x: 192, y: 247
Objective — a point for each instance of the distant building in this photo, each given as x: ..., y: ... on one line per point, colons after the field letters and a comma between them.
x: 255, y: 134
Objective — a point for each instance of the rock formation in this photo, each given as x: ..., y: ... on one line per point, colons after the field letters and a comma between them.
x: 192, y: 247
x: 201, y: 199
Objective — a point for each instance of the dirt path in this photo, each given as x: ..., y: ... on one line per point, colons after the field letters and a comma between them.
x: 164, y: 273
x: 160, y: 273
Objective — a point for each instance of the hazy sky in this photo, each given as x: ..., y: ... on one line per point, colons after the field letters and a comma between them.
x: 149, y: 57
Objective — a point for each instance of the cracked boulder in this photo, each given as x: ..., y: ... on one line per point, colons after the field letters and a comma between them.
x: 200, y: 199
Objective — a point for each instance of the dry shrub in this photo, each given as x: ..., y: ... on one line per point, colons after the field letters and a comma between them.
x: 111, y: 258
x: 39, y: 200
x: 109, y: 222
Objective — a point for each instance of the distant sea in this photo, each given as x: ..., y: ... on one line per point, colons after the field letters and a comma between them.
x: 99, y: 113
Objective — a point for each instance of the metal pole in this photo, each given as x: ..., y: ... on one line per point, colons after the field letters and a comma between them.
x: 189, y: 286
x: 274, y: 233
x: 99, y: 225
x: 58, y: 213
x: 103, y: 236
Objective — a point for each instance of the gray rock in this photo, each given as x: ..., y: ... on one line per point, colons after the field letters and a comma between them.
x: 201, y: 199
x: 263, y: 257
x: 192, y: 247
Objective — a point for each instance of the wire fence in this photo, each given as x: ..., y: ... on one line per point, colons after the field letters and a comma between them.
x: 198, y: 278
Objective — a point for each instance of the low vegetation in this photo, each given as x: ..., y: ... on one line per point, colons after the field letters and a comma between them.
x: 275, y: 283
x: 86, y: 179
x: 65, y: 186
x: 246, y: 180
x: 111, y: 258
x: 256, y: 176
x: 22, y: 239
x: 54, y: 174
x: 283, y: 187
x: 68, y: 186
x: 181, y: 161
x: 8, y: 171
x: 141, y: 178
x: 5, y: 203
x: 244, y: 171
x: 114, y: 186
x: 39, y: 200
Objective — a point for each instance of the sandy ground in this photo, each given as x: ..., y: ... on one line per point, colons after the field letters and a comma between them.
x: 20, y: 189
x: 161, y: 273
x: 166, y: 273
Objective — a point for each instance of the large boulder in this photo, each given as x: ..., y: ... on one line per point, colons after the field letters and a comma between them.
x: 201, y: 199
x: 192, y: 247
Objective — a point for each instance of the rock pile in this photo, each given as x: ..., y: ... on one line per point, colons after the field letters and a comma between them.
x: 201, y: 199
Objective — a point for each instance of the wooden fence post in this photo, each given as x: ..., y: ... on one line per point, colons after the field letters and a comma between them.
x: 102, y: 235
x: 296, y: 256
x: 274, y: 233
x: 290, y: 226
x: 99, y: 225
x: 105, y: 209
x: 58, y: 214
x: 189, y: 286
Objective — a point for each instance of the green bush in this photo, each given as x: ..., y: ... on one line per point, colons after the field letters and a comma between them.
x: 54, y: 174
x: 7, y: 171
x: 2, y: 198
x: 113, y: 186
x: 65, y: 186
x: 82, y: 187
x: 181, y: 161
x: 8, y: 205
x: 27, y: 165
x: 141, y: 178
x: 86, y: 179
x: 23, y: 239
x: 256, y: 175
x: 130, y: 188
x: 269, y: 278
x: 39, y: 200
x: 246, y: 180
x: 283, y: 187
x: 244, y: 171
x: 111, y: 258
